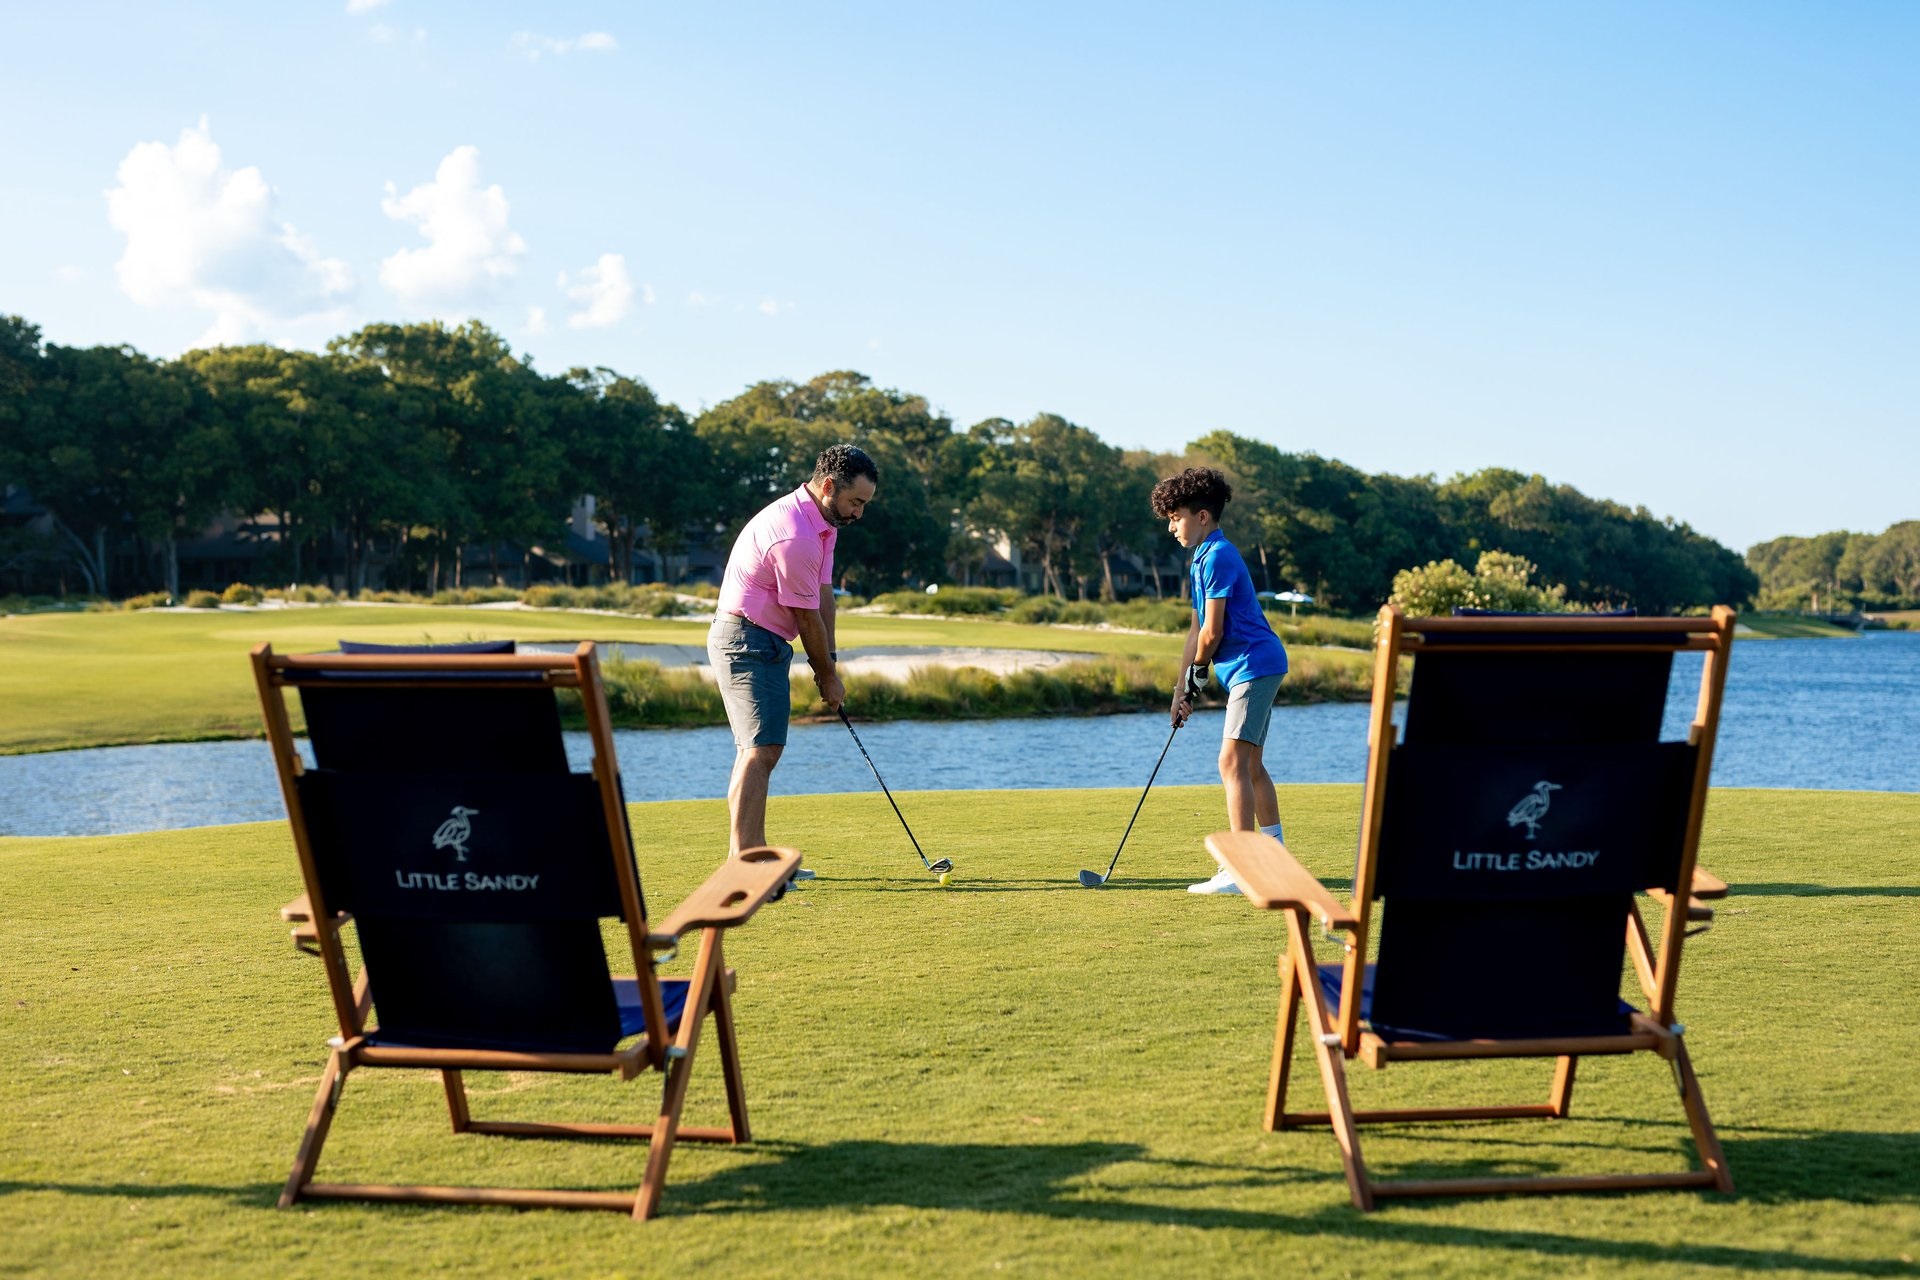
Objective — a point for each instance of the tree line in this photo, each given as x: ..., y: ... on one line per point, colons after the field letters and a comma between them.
x: 1840, y: 572
x: 430, y: 441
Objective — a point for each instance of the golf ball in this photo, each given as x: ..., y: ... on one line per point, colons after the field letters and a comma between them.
x: 945, y: 876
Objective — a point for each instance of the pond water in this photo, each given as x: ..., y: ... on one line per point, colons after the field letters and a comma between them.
x: 1829, y: 714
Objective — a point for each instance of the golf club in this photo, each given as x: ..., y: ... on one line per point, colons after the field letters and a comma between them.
x: 939, y: 868
x: 1093, y: 879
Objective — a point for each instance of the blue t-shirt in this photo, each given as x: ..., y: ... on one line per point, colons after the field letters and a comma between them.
x: 1250, y: 649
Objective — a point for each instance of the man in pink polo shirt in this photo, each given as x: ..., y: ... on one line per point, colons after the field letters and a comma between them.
x: 779, y: 588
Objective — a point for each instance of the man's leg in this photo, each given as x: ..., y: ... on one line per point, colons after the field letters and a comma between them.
x: 747, y: 797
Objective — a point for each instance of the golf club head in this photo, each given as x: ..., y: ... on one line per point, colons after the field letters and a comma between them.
x: 1091, y: 879
x: 941, y: 867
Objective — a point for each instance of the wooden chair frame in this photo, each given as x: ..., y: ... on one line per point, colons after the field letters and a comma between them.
x: 728, y: 898
x: 1273, y: 879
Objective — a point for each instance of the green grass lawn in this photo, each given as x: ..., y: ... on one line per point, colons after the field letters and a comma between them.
x: 1011, y: 1075
x: 97, y: 679
x: 1788, y: 626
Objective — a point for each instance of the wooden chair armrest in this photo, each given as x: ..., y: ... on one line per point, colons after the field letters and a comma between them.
x: 1706, y: 887
x: 730, y: 896
x: 299, y: 914
x: 1273, y: 878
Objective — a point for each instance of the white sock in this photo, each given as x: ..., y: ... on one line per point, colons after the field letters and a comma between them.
x: 1272, y: 829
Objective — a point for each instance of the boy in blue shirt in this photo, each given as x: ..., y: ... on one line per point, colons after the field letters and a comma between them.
x: 1231, y: 633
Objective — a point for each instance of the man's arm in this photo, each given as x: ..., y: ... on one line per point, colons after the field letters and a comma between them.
x: 814, y: 635
x: 827, y: 611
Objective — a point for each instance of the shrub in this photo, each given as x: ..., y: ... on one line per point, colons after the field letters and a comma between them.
x: 1499, y: 582
x: 198, y: 599
x: 1035, y: 610
x: 151, y: 600
x: 652, y: 601
x: 1351, y: 633
x: 950, y: 601
x: 1171, y: 617
x: 303, y: 593
x: 240, y: 593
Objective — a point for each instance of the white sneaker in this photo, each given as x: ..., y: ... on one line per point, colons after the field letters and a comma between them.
x: 804, y: 873
x: 1222, y: 882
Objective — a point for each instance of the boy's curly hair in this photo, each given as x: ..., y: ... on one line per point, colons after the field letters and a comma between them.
x: 1198, y: 488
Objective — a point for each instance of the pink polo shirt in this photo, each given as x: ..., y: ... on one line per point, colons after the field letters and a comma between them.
x: 781, y: 561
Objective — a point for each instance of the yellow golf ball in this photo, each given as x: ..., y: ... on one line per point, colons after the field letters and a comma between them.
x: 945, y: 876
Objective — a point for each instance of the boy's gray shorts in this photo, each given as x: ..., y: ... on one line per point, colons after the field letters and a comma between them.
x: 751, y: 665
x: 1249, y: 708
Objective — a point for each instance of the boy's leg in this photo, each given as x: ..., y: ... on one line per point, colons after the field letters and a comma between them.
x: 1266, y: 801
x: 1251, y: 801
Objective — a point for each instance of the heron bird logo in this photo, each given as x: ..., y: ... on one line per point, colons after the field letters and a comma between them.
x: 456, y: 831
x: 1532, y: 808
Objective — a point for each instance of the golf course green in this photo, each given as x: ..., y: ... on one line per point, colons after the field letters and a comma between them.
x: 1012, y: 1074
x: 72, y: 680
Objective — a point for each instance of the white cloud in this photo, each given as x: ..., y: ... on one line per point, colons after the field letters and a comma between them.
x: 773, y: 306
x: 604, y: 292
x: 364, y: 6
x: 536, y: 320
x: 381, y: 33
x: 533, y: 46
x: 698, y: 299
x: 469, y: 245
x: 873, y: 344
x: 70, y: 274
x: 203, y: 236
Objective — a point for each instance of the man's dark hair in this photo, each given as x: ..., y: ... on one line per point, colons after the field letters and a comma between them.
x: 1196, y: 488
x: 842, y: 462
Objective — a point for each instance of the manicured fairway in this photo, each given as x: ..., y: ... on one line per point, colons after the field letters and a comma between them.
x: 1011, y: 1075
x: 94, y: 679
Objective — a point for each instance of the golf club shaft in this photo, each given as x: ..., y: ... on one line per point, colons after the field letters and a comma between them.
x: 883, y: 787
x: 1136, y: 808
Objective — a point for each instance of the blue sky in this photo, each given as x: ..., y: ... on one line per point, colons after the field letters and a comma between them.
x: 1667, y: 253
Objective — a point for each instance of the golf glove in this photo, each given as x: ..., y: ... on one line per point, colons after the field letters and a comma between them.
x: 1194, y: 681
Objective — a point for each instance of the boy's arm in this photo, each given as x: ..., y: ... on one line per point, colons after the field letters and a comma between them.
x: 1183, y: 689
x: 1210, y: 633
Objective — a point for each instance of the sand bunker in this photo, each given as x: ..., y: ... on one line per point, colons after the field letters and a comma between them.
x: 895, y: 662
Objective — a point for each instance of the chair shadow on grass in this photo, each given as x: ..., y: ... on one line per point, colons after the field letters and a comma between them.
x: 1789, y: 890
x: 1065, y: 1181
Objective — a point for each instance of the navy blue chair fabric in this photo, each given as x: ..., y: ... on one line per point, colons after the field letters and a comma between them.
x: 475, y: 862
x: 1529, y: 799
x: 464, y: 646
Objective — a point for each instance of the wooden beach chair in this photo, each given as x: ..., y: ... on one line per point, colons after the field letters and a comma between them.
x: 1504, y: 839
x: 442, y: 822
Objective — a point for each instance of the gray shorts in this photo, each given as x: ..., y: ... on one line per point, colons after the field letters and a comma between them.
x: 751, y: 664
x: 1250, y: 708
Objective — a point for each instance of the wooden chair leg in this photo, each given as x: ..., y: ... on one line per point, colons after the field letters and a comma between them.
x: 729, y: 1049
x: 679, y: 1067
x: 319, y: 1120
x: 456, y: 1087
x: 1332, y: 1059
x: 1706, y: 1139
x: 1561, y: 1099
x: 1282, y: 1046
